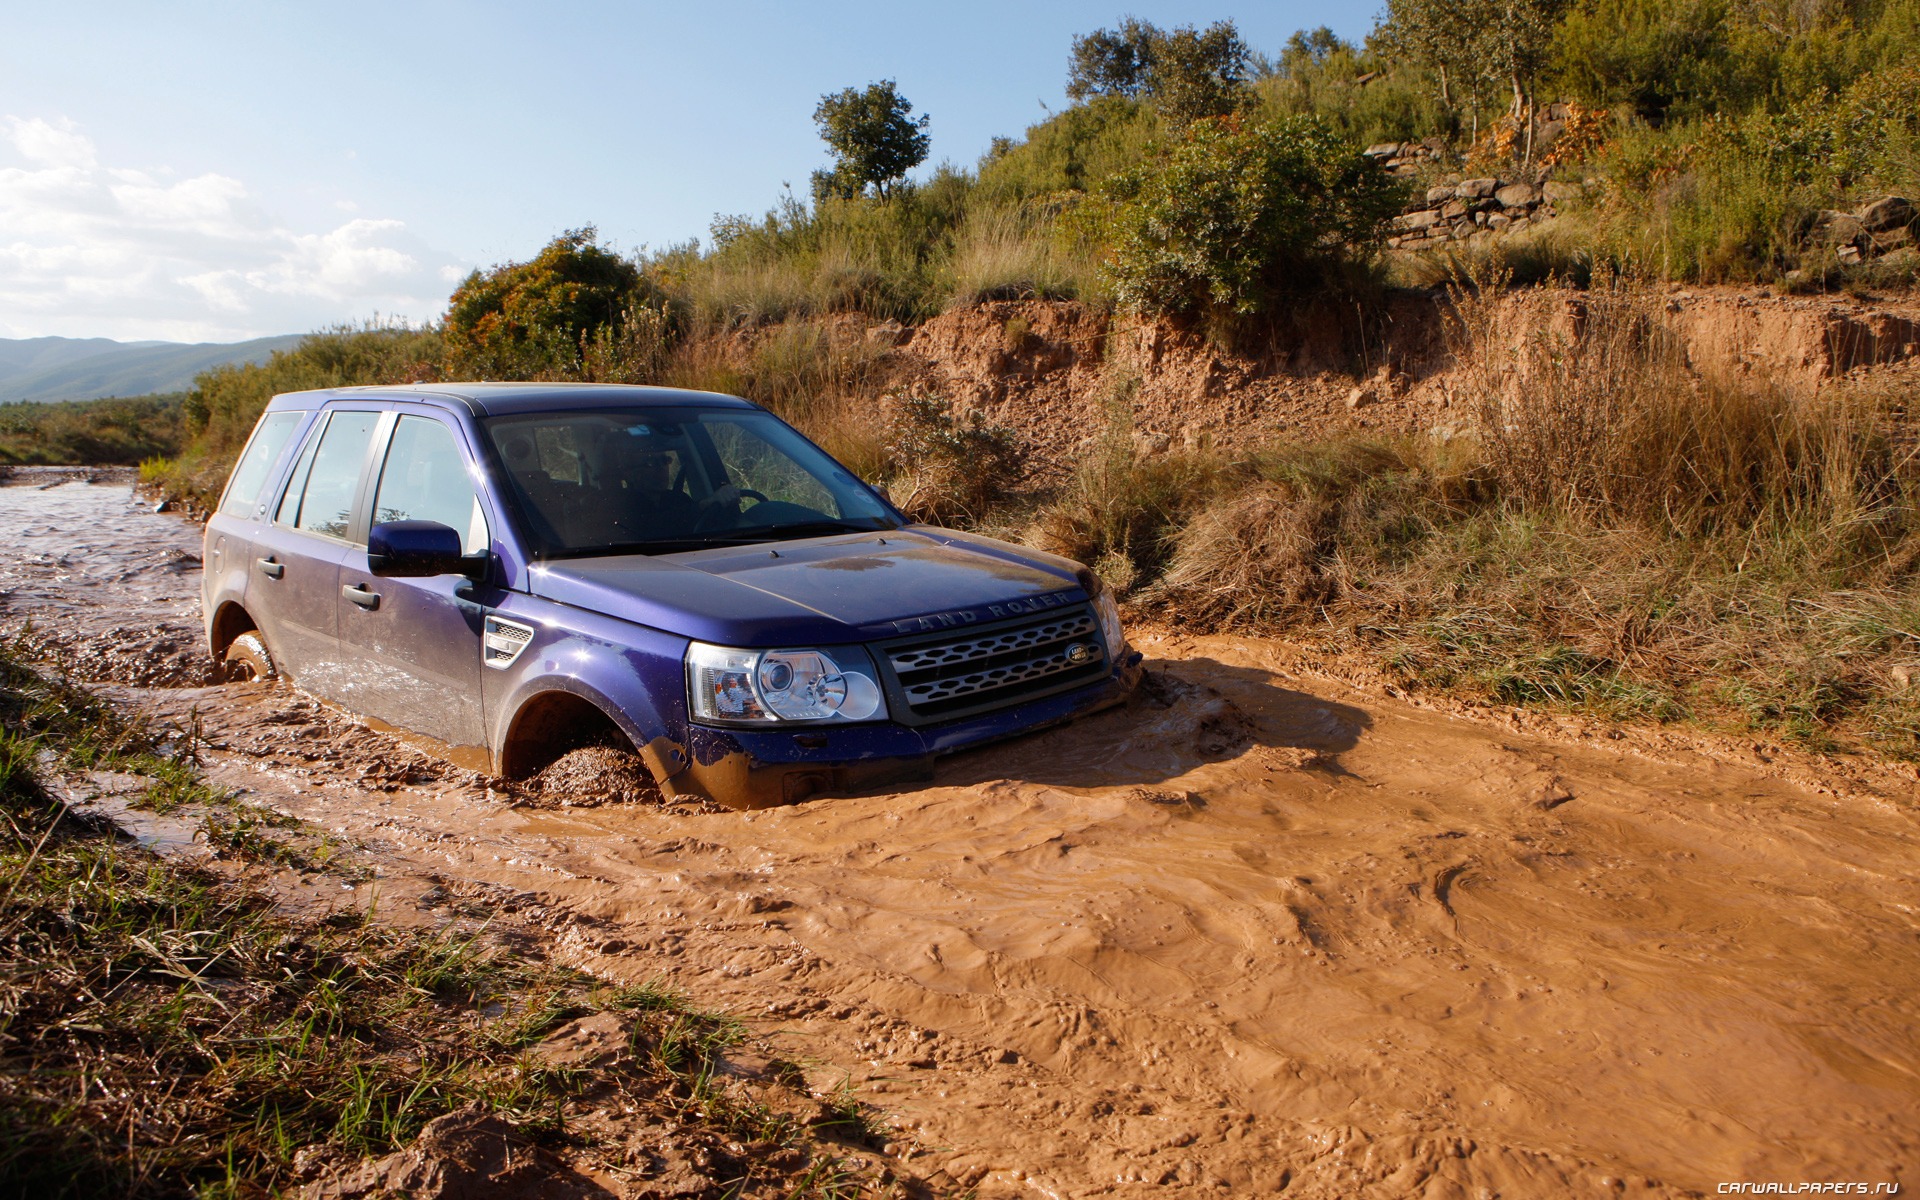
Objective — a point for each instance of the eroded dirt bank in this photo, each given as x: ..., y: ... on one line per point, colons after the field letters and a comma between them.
x: 1259, y: 931
x: 1054, y: 370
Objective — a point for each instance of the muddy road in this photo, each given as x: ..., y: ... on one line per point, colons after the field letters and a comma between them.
x: 1260, y: 932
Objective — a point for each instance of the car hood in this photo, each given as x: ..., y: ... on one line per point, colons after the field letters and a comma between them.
x: 850, y: 587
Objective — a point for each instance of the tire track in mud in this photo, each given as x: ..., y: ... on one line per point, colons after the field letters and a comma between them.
x: 1255, y: 932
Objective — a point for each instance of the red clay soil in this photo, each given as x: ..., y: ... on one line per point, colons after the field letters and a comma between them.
x: 1261, y: 931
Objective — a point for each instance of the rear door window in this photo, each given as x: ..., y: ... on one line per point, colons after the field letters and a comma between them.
x: 320, y: 498
x: 425, y: 478
x: 250, y: 473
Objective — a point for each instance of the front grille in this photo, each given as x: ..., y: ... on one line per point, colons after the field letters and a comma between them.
x: 961, y: 673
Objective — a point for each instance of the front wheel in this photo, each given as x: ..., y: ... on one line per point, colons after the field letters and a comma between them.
x: 247, y: 659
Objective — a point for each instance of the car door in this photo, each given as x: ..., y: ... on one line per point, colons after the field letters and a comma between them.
x: 294, y: 590
x: 417, y: 641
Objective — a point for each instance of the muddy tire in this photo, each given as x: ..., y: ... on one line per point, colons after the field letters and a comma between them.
x: 248, y: 659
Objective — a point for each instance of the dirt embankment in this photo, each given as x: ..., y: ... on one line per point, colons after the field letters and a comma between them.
x: 1261, y: 932
x: 1052, y: 370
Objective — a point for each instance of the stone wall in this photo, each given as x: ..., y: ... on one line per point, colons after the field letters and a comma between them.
x: 1455, y: 210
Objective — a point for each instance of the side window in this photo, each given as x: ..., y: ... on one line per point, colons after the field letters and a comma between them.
x: 425, y: 478
x: 250, y: 473
x: 320, y: 498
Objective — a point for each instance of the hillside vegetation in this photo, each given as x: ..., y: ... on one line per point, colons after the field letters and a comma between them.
x: 1626, y: 533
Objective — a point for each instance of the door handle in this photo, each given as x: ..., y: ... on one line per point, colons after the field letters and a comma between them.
x: 271, y: 569
x: 359, y: 594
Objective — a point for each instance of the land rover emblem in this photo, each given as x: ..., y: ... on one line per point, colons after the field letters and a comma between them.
x: 1082, y: 652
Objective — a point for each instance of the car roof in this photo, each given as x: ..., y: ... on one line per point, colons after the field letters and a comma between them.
x: 495, y: 399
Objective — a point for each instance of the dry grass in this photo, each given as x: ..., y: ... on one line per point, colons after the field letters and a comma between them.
x: 1002, y: 253
x: 1623, y: 536
x: 1597, y: 411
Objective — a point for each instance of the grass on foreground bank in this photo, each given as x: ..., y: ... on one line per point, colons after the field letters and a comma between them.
x: 166, y: 1031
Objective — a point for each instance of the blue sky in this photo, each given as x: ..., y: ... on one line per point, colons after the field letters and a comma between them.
x: 216, y: 171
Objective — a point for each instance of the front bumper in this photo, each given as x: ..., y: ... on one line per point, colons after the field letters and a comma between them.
x: 753, y: 768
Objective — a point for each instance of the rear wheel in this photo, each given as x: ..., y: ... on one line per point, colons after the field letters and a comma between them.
x: 248, y: 659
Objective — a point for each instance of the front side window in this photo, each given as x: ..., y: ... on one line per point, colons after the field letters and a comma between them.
x: 250, y: 473
x: 320, y: 498
x: 425, y: 478
x: 654, y: 481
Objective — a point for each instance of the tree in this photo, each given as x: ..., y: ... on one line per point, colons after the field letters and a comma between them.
x: 873, y: 138
x: 1189, y: 74
x: 537, y: 318
x: 1198, y: 74
x: 1477, y: 45
x: 1309, y: 48
x: 1112, y: 62
x: 1240, y: 215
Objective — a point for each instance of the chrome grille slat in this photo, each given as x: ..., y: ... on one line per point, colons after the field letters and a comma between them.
x: 976, y: 670
x: 979, y: 681
x: 945, y: 654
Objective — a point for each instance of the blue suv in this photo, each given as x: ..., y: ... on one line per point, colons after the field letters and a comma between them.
x: 514, y: 571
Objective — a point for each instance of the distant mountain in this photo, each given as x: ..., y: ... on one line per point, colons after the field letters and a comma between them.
x: 55, y: 368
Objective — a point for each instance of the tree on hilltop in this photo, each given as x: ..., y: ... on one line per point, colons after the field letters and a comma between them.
x: 873, y: 137
x: 1187, y: 73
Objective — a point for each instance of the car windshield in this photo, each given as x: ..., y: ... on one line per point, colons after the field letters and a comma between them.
x: 656, y: 481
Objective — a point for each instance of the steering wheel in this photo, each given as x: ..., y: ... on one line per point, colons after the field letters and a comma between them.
x: 708, y: 515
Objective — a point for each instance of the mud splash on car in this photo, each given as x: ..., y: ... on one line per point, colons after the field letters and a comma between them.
x: 1256, y: 931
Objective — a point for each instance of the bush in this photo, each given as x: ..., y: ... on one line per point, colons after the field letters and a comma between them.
x: 112, y: 432
x: 535, y: 320
x: 949, y: 470
x: 1238, y: 216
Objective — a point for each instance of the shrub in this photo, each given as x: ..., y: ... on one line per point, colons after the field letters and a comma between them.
x: 1238, y: 216
x: 949, y: 469
x: 118, y: 432
x: 1072, y: 151
x: 534, y: 320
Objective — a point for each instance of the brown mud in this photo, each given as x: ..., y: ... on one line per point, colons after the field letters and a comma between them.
x: 1260, y: 931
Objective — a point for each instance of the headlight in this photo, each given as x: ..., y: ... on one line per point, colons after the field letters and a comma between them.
x: 1109, y: 614
x: 743, y: 687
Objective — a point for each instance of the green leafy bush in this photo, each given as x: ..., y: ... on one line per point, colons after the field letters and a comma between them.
x: 534, y: 320
x: 1238, y: 215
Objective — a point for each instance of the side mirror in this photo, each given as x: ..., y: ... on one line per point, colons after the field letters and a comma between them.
x: 415, y: 549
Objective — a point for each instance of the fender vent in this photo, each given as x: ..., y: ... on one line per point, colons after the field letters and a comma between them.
x: 503, y: 642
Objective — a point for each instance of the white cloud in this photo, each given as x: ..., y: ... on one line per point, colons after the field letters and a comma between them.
x: 61, y: 145
x: 95, y: 251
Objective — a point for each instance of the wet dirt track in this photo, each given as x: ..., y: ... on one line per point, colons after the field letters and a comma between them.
x: 1256, y: 932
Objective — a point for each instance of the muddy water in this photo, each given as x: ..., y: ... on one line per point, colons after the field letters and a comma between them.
x: 1255, y: 932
